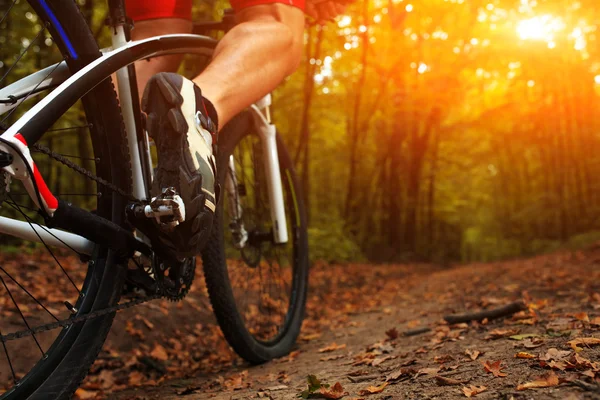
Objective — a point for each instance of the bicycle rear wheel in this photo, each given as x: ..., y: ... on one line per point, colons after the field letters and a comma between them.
x: 258, y: 291
x: 65, y: 356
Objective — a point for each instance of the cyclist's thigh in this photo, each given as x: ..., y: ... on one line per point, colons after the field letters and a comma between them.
x: 140, y: 10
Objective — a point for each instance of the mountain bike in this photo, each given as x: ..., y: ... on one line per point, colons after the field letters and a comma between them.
x: 87, y: 210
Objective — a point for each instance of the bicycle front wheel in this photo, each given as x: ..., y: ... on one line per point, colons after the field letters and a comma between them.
x: 52, y: 363
x: 257, y: 287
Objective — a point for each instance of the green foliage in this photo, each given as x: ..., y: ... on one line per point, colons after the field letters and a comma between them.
x: 436, y: 134
x: 330, y: 241
x: 314, y: 385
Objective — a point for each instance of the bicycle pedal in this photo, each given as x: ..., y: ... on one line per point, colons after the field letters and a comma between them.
x: 167, y: 209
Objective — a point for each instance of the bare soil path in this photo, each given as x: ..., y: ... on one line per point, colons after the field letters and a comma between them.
x: 353, y: 335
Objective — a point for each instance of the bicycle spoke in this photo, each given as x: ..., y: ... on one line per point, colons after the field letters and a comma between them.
x: 20, y: 313
x: 48, y: 247
x: 13, y: 204
x: 70, y: 128
x: 280, y: 279
x: 269, y: 278
x: 12, y: 370
x: 31, y: 221
x: 7, y: 11
x: 31, y: 91
x: 22, y: 54
x: 29, y: 294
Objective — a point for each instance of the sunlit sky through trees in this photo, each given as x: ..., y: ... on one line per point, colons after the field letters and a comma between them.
x: 471, y: 125
x: 525, y: 23
x: 430, y: 130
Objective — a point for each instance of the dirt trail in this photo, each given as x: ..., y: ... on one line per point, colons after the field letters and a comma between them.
x: 353, y: 307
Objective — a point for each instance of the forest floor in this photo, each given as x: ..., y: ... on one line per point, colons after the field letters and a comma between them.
x: 355, y: 335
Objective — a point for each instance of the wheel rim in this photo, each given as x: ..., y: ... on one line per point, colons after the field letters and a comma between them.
x: 263, y: 275
x: 25, y: 287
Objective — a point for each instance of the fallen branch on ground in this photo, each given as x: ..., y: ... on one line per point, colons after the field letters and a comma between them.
x: 417, y: 331
x: 503, y: 311
x: 590, y: 387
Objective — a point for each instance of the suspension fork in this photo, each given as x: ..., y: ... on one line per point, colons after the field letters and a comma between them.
x: 261, y: 123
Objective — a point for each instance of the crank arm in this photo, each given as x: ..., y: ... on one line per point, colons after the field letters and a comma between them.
x: 96, y: 229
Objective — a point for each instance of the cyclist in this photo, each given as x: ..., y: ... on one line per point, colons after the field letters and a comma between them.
x: 183, y: 116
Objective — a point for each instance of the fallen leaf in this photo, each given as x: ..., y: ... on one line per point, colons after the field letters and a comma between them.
x: 331, y: 358
x: 392, y: 333
x: 582, y: 362
x: 136, y: 378
x: 382, y: 347
x: 358, y: 372
x: 106, y: 378
x: 547, y: 380
x: 472, y: 390
x: 312, y: 336
x: 357, y: 379
x: 533, y: 343
x: 495, y: 368
x: 380, y: 360
x: 590, y: 341
x: 85, y: 394
x: 336, y: 392
x: 473, y: 354
x: 443, y: 381
x: 428, y: 371
x: 555, y: 354
x: 523, y: 336
x: 402, y: 372
x: 524, y: 354
x: 500, y: 333
x: 589, y: 373
x: 332, y: 347
x: 314, y: 385
x: 408, y: 362
x: 560, y: 365
x: 443, y: 359
x: 275, y: 388
x: 372, y: 389
x: 159, y: 353
x: 582, y: 316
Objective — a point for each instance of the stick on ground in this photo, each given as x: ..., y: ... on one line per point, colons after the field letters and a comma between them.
x: 503, y: 311
x: 418, y: 331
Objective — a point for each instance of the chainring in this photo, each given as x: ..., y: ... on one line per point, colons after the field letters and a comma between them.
x: 174, y: 281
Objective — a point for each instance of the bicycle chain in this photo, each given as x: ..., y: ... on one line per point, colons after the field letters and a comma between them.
x: 65, y: 323
x: 83, y: 171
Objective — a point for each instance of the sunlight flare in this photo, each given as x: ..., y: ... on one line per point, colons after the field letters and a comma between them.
x: 540, y: 28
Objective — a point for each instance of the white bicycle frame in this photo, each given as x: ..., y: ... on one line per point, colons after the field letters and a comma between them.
x: 62, y: 78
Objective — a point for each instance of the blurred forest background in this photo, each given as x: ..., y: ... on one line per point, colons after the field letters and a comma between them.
x: 436, y: 130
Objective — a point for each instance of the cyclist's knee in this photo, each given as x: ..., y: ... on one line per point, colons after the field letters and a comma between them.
x: 288, y: 21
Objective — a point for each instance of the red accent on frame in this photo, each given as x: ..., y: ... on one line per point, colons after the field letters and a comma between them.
x: 48, y: 197
x: 21, y: 139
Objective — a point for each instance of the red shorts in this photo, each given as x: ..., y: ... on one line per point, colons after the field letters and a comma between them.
x: 139, y: 10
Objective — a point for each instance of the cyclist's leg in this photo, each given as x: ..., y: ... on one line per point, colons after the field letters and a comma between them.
x: 154, y: 27
x: 253, y: 58
x: 249, y: 61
